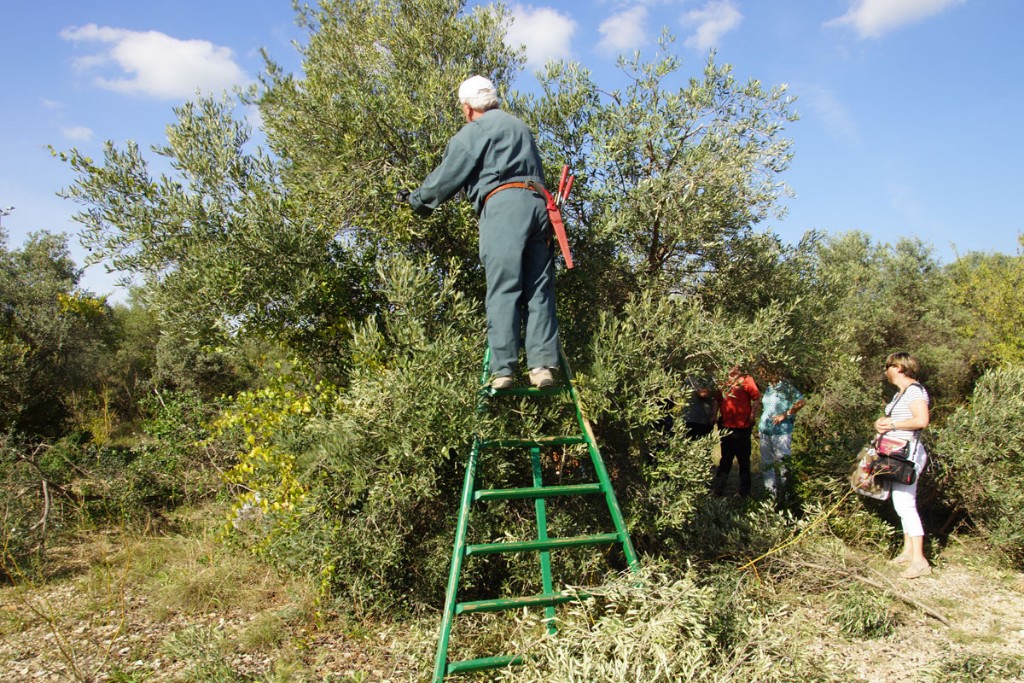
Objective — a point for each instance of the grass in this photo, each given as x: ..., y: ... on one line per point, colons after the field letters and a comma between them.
x: 134, y: 607
x: 183, y: 606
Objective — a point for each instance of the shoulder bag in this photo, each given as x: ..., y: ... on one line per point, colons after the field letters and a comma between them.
x: 893, y: 461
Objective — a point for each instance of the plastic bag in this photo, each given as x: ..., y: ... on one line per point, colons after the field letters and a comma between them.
x: 863, y: 480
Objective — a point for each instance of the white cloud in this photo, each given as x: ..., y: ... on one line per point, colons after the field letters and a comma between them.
x: 155, y: 64
x: 624, y: 31
x: 546, y: 33
x: 874, y: 18
x: 717, y: 18
x: 253, y: 117
x: 77, y: 133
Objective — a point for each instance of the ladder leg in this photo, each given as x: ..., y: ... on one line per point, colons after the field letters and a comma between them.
x: 609, y: 496
x: 542, y: 535
x: 599, y: 469
x: 458, y: 553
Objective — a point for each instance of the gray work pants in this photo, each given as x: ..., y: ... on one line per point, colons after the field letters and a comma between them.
x: 518, y: 256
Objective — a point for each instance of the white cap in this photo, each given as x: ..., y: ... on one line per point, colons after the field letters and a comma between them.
x: 478, y: 92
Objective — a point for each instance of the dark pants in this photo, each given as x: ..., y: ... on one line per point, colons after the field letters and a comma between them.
x: 736, y: 444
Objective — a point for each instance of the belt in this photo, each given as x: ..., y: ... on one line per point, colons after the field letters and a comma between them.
x: 532, y: 185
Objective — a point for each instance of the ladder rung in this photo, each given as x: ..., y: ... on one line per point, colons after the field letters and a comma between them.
x: 500, y: 604
x: 537, y: 492
x: 542, y: 442
x: 525, y: 391
x: 550, y: 544
x: 483, y: 663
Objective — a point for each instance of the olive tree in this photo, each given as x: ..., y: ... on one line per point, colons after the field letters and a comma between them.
x: 216, y: 239
x: 674, y: 169
x: 50, y: 331
x: 371, y: 113
x: 991, y: 288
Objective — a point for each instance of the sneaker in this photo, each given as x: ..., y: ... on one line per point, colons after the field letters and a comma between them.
x: 542, y: 378
x: 501, y: 382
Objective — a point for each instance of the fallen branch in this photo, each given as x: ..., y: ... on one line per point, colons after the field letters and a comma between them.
x: 46, y: 510
x: 886, y: 589
x: 795, y: 538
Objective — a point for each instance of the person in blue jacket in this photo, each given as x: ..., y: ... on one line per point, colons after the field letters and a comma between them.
x: 780, y: 402
x: 494, y: 159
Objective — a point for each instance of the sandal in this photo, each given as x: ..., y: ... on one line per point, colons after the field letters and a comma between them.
x: 916, y: 570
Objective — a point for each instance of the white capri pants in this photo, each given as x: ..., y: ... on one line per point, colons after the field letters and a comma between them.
x: 904, y: 496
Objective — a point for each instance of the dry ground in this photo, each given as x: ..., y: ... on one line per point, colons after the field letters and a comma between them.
x: 180, y: 608
x: 965, y: 622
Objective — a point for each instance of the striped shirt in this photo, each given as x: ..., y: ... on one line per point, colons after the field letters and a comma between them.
x: 899, y: 409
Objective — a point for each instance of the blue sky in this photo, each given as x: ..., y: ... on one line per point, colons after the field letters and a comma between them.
x: 910, y: 109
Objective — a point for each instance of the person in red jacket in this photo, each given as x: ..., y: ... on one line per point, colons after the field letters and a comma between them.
x: 738, y: 405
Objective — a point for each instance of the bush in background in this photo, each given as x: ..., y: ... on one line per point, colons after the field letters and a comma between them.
x: 980, y: 454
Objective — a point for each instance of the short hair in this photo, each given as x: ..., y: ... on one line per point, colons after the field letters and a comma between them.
x: 905, y: 363
x: 479, y: 93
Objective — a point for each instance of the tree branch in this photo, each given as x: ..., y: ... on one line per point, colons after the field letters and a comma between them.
x: 890, y: 589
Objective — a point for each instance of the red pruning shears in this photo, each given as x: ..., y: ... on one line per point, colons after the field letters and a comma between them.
x: 555, y: 214
x: 564, y: 186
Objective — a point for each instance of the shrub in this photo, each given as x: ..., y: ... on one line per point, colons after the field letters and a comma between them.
x: 980, y: 453
x: 361, y: 483
x: 51, y: 487
x: 358, y: 484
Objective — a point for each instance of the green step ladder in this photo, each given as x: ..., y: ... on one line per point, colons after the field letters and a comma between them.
x: 543, y: 544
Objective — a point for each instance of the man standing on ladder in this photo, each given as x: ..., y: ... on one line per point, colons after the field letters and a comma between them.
x: 494, y: 158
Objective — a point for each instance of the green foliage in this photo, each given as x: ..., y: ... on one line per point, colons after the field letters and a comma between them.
x: 976, y: 667
x: 217, y: 240
x: 346, y: 458
x: 184, y: 364
x: 666, y: 628
x: 168, y: 464
x: 367, y: 474
x: 51, y: 488
x: 991, y: 286
x: 26, y: 507
x: 203, y: 649
x: 273, y: 423
x: 373, y: 112
x: 858, y: 302
x: 49, y: 334
x: 672, y: 177
x: 175, y: 462
x: 862, y: 613
x: 370, y: 476
x: 658, y: 630
x: 46, y: 489
x: 979, y: 452
x: 626, y: 395
x: 130, y: 372
x: 669, y: 179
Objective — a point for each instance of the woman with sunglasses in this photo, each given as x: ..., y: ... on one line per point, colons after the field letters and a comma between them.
x: 905, y: 416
